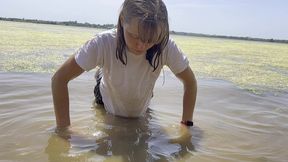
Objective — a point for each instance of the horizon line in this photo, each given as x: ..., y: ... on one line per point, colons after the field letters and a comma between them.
x: 110, y: 26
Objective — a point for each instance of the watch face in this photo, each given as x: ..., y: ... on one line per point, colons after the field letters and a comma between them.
x: 187, y: 123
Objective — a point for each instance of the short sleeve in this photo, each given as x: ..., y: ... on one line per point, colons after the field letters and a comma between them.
x: 175, y: 58
x: 91, y: 54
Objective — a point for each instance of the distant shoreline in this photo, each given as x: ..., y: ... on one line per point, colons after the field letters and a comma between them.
x: 66, y: 23
x: 110, y: 26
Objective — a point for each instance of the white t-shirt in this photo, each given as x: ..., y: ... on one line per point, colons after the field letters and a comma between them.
x: 126, y: 89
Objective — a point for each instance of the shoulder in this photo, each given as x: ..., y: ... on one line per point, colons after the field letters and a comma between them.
x: 171, y: 47
x: 170, y: 42
x: 102, y: 40
x: 108, y: 35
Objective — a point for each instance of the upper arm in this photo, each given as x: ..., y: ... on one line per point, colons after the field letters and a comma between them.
x: 187, y: 77
x: 68, y: 71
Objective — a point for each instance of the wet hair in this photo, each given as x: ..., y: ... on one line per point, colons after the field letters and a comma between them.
x: 152, y: 18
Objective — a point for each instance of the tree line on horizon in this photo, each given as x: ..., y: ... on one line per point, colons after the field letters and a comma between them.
x: 230, y: 37
x: 66, y: 23
x: 110, y: 26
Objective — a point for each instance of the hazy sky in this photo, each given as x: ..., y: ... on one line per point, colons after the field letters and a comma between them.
x: 252, y: 18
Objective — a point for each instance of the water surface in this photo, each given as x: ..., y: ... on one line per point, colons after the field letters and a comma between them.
x: 230, y: 124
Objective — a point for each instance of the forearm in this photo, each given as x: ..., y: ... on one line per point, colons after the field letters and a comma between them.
x: 68, y: 71
x: 189, y: 100
x: 61, y: 103
x: 190, y: 92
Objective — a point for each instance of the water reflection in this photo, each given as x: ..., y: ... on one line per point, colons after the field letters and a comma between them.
x: 122, y: 139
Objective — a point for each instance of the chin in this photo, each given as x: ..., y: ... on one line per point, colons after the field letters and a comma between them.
x: 139, y: 52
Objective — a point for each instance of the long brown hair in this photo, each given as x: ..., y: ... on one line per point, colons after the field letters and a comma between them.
x: 152, y: 16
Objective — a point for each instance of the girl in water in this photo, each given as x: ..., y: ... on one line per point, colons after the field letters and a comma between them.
x: 130, y: 59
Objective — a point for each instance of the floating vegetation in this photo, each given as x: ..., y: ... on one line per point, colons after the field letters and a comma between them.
x: 27, y: 47
x: 255, y: 66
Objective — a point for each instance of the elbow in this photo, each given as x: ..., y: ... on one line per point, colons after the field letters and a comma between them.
x: 194, y: 81
x: 188, y: 79
x: 54, y: 81
x: 191, y: 83
x: 58, y: 79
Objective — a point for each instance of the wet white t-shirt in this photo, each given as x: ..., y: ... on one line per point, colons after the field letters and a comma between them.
x: 126, y: 89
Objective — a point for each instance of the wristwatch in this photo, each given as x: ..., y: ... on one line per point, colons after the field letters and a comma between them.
x: 187, y: 123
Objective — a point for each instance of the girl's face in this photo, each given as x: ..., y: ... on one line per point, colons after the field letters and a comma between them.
x: 132, y: 39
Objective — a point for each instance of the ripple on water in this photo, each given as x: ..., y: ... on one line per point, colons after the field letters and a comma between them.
x: 230, y: 124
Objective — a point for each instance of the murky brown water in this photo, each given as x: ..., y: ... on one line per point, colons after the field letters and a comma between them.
x: 230, y: 124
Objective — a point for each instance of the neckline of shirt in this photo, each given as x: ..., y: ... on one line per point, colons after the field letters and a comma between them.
x: 131, y: 54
